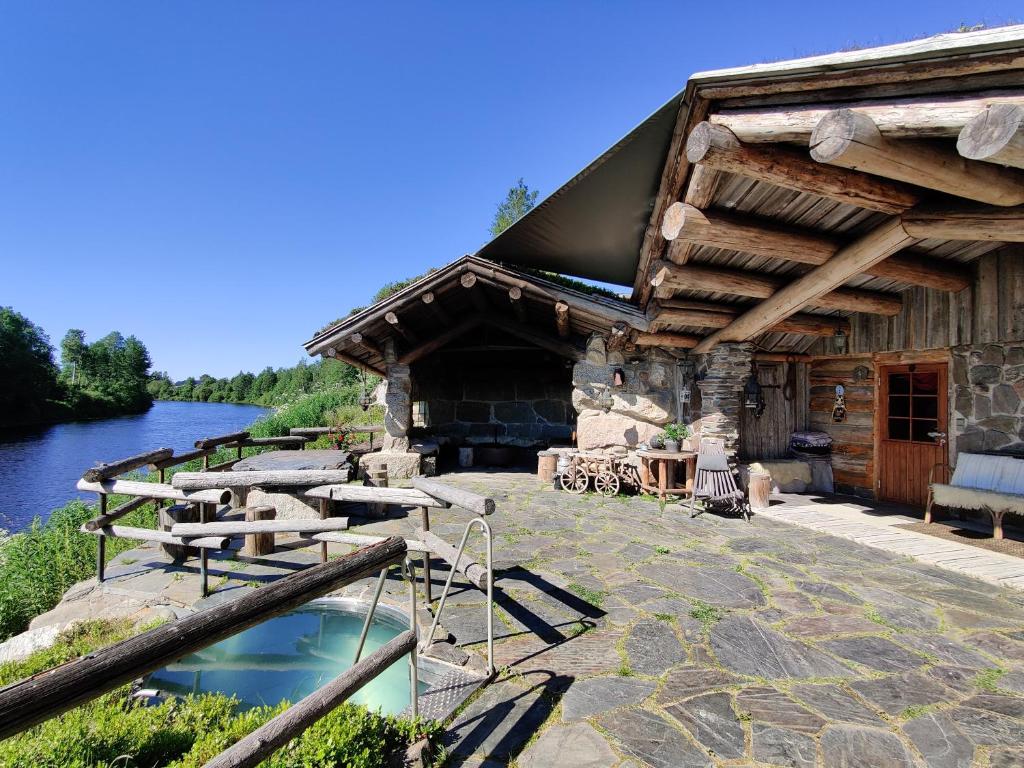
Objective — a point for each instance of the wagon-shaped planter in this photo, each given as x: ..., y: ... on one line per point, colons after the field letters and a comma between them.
x: 607, y: 474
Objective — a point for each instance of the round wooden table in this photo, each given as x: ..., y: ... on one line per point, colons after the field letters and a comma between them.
x: 659, y: 472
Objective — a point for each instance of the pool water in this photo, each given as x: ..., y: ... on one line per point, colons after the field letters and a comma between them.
x: 288, y: 657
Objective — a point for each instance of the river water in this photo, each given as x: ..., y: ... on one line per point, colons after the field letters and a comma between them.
x: 39, y: 466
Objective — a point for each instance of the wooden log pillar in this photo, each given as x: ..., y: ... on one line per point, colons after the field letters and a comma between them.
x: 257, y: 544
x: 178, y: 513
x: 377, y: 478
x: 325, y: 512
x: 101, y: 544
x: 562, y: 319
x: 208, y: 514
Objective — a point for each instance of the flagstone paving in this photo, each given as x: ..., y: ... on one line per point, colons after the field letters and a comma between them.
x: 634, y: 636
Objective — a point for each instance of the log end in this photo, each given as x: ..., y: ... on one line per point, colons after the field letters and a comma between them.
x: 468, y: 279
x: 673, y: 221
x: 990, y: 132
x: 838, y: 131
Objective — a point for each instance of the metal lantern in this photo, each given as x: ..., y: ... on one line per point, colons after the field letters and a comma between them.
x: 753, y: 395
x: 364, y: 397
x: 840, y: 341
x: 605, y: 399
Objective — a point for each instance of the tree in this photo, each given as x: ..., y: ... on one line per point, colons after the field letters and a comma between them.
x: 27, y: 370
x: 517, y: 202
x: 73, y: 350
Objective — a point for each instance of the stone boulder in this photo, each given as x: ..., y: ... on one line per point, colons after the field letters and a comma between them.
x: 597, y: 429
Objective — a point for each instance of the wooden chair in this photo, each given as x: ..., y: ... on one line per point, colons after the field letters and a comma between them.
x: 714, y: 482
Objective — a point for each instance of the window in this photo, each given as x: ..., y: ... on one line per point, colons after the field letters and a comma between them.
x: 913, y: 406
x: 419, y: 413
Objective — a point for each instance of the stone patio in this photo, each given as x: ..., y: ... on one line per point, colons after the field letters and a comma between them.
x: 630, y: 635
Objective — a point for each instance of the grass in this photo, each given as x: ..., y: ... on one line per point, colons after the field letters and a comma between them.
x: 988, y: 680
x: 114, y: 732
x: 662, y: 550
x: 707, y: 615
x: 624, y: 670
x: 593, y: 596
x: 667, y: 617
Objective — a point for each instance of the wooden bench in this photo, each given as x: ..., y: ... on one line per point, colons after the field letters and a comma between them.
x: 981, y: 482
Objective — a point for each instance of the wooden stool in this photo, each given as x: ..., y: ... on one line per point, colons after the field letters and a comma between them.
x: 759, y: 490
x: 259, y: 543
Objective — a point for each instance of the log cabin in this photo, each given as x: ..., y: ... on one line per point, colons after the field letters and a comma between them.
x: 841, y: 237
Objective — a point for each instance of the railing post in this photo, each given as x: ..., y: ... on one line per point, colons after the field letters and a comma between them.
x: 325, y: 512
x: 425, y: 522
x: 414, y: 674
x: 101, y: 544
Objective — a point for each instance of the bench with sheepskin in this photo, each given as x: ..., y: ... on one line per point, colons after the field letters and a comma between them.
x: 981, y: 482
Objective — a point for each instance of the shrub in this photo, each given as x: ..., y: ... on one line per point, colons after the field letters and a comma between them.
x: 39, y: 564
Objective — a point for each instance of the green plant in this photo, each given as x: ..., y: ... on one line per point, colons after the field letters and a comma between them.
x: 668, y: 617
x: 624, y: 670
x: 662, y: 550
x: 676, y: 432
x: 707, y: 615
x: 593, y: 596
x: 988, y: 679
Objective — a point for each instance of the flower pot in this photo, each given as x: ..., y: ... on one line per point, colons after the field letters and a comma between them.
x: 672, y: 446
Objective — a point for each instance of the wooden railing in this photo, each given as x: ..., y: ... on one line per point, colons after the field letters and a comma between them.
x: 47, y: 694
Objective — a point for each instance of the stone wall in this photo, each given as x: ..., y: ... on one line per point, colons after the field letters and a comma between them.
x: 987, y: 389
x: 640, y: 408
x: 728, y: 368
x: 518, y: 397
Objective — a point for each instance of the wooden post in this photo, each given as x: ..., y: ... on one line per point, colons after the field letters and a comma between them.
x: 325, y: 512
x: 168, y: 518
x: 425, y: 522
x: 205, y: 515
x: 101, y: 545
x: 257, y: 544
x: 759, y: 489
x: 377, y: 478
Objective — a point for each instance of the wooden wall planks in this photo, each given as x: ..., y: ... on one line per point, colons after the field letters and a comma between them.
x: 768, y: 436
x: 854, y: 438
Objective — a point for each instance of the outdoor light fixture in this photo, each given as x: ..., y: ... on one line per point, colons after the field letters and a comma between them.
x: 753, y: 396
x: 364, y: 398
x: 605, y: 399
x: 839, y: 341
x: 619, y: 377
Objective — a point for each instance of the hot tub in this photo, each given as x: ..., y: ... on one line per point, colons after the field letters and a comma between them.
x: 288, y: 657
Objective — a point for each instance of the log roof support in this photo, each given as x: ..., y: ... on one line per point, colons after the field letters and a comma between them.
x: 710, y: 315
x: 406, y: 333
x: 756, y: 285
x: 430, y: 299
x: 440, y: 340
x: 344, y: 357
x: 360, y: 340
x: 979, y: 222
x: 995, y: 136
x: 750, y: 234
x: 476, y: 293
x: 540, y: 339
x: 850, y: 260
x: 562, y: 319
x: 716, y: 146
x: 850, y: 139
x: 515, y: 297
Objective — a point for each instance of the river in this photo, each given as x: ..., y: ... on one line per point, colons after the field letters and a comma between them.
x: 39, y: 466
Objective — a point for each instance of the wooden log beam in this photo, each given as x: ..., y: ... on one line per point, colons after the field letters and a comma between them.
x: 156, y: 491
x: 159, y: 537
x: 457, y: 497
x: 515, y: 297
x: 430, y: 299
x: 995, y: 136
x: 965, y: 223
x: 475, y: 573
x: 856, y: 257
x: 181, y: 458
x: 722, y: 315
x: 355, y: 362
x: 361, y: 340
x: 918, y: 117
x: 314, y: 432
x: 272, y: 478
x: 358, y: 539
x: 470, y: 282
x: 562, y: 319
x: 213, y: 442
x: 46, y: 694
x: 717, y: 147
x: 527, y: 333
x: 760, y: 286
x: 405, y: 332
x: 405, y: 497
x: 281, y: 441
x: 850, y: 139
x: 117, y: 512
x: 247, y: 527
x: 700, y: 192
x: 666, y: 339
x: 113, y: 468
x: 445, y: 337
x: 750, y: 234
x: 254, y: 748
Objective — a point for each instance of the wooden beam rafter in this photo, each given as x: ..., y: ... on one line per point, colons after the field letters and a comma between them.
x: 979, y: 222
x: 470, y: 282
x: 881, y: 242
x: 436, y: 309
x: 361, y: 340
x: 716, y: 146
x: 534, y: 336
x: 691, y: 277
x: 751, y: 234
x: 515, y: 297
x: 404, y: 331
x: 438, y: 341
x: 562, y: 324
x: 711, y: 315
x: 850, y: 139
x: 337, y: 354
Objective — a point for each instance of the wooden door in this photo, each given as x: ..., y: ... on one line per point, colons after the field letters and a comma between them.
x: 911, y: 424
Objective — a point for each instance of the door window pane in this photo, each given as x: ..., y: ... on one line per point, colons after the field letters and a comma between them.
x: 899, y: 383
x: 921, y: 429
x: 899, y: 405
x: 899, y: 429
x: 926, y: 407
x: 926, y: 383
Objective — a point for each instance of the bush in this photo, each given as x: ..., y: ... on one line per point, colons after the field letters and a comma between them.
x: 329, y: 407
x: 113, y: 731
x: 39, y: 564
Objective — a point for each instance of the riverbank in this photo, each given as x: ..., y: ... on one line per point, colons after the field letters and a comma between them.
x: 85, y: 407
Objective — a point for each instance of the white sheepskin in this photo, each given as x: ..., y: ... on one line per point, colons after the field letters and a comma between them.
x: 787, y: 476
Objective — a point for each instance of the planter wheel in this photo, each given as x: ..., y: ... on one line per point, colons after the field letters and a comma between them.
x: 607, y: 484
x: 574, y: 480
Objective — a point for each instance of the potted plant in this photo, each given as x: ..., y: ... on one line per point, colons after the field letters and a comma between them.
x: 674, y: 435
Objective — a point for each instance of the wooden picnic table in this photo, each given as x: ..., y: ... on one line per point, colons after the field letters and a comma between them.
x: 659, y: 472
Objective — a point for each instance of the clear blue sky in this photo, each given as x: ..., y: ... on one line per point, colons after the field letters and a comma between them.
x: 222, y: 178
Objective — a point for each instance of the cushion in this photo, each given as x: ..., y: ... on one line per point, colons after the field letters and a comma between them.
x: 1003, y: 474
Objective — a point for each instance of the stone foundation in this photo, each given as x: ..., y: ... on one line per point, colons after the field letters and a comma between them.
x: 728, y: 368
x: 988, y: 398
